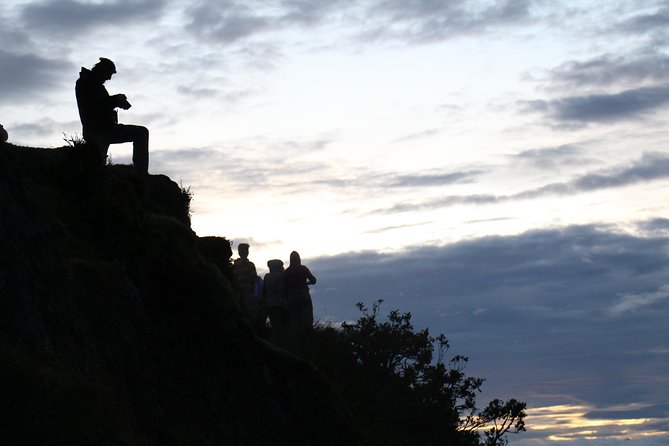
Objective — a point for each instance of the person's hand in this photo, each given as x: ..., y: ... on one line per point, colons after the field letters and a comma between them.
x: 124, y: 104
x: 122, y: 101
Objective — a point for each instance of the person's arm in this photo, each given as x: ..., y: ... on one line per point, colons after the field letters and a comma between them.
x: 311, y: 279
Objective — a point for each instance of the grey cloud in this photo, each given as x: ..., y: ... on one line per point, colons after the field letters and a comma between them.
x: 312, y: 12
x: 655, y: 226
x: 652, y: 166
x: 608, y: 70
x: 69, y: 15
x: 448, y: 201
x: 598, y: 108
x: 13, y: 39
x: 410, y: 21
x: 231, y: 21
x: 430, y: 179
x: 646, y: 23
x: 46, y: 127
x: 432, y: 20
x: 648, y: 411
x: 227, y: 21
x: 551, y: 157
x: 197, y: 92
x: 366, y: 180
x: 546, y: 329
x: 25, y: 75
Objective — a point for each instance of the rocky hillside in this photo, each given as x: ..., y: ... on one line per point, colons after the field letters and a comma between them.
x: 116, y: 329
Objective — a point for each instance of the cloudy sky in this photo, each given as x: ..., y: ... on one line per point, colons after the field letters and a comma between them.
x: 500, y: 169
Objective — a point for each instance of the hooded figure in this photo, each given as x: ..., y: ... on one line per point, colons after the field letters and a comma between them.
x: 297, y: 279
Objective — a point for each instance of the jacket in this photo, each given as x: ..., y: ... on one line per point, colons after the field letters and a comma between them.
x: 96, y: 106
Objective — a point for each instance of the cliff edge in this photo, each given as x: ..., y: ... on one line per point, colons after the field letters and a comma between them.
x: 115, y: 329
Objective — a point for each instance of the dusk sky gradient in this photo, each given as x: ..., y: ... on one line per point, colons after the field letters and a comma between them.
x: 500, y: 169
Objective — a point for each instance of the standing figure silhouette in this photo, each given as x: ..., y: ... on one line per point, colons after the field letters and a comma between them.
x: 99, y: 119
x: 297, y: 279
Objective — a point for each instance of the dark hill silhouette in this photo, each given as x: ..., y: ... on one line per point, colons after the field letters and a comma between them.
x: 118, y: 325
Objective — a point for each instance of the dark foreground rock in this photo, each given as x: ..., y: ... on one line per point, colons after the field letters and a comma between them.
x: 115, y: 329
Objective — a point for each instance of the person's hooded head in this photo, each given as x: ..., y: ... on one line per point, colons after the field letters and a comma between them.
x: 295, y: 259
x: 275, y: 265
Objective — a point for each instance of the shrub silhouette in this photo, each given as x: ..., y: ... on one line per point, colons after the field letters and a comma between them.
x: 401, y: 393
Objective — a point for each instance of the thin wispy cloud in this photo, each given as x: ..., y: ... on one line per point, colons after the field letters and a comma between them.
x: 198, y: 92
x: 394, y: 228
x: 651, y: 167
x: 418, y: 135
x: 630, y: 303
x: 553, y: 157
x: 429, y: 179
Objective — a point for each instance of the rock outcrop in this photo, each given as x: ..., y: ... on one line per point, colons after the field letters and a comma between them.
x: 118, y: 327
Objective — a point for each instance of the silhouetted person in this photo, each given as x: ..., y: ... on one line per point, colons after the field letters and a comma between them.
x: 276, y: 301
x: 99, y: 119
x: 297, y: 279
x: 246, y: 277
x: 3, y: 134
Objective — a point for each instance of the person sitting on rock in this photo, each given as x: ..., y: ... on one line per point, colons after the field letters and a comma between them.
x: 99, y: 119
x: 3, y: 134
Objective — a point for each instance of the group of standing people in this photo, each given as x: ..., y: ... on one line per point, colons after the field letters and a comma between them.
x: 282, y: 295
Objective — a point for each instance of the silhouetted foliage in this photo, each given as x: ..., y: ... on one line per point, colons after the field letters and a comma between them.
x: 402, y: 388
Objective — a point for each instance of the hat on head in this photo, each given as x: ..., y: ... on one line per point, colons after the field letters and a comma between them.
x: 106, y: 63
